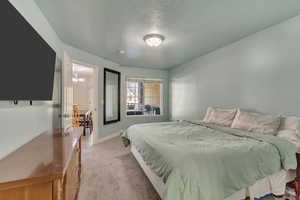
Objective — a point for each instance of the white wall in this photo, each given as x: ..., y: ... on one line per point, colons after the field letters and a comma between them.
x: 260, y: 73
x: 106, y: 130
x: 19, y: 124
x: 81, y: 94
x: 32, y: 13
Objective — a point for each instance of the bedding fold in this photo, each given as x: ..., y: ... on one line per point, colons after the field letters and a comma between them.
x: 200, y: 161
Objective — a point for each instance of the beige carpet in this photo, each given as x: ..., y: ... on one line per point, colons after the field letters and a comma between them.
x: 110, y: 172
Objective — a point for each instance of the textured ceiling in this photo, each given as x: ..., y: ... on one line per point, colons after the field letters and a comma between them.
x: 191, y: 27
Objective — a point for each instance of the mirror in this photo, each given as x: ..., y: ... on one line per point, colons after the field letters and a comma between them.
x: 112, y: 93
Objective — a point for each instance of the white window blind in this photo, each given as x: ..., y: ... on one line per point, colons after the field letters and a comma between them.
x: 144, y: 96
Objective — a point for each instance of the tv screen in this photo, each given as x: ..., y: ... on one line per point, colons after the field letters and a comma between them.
x: 27, y: 61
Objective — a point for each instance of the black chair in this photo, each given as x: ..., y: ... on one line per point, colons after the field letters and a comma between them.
x: 86, y: 120
x: 148, y: 108
x: 89, y: 122
x: 156, y: 110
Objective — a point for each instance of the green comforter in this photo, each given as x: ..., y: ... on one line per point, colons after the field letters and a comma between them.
x: 198, y: 161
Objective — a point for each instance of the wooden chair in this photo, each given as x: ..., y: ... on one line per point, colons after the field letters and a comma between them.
x: 86, y: 120
x: 76, y: 116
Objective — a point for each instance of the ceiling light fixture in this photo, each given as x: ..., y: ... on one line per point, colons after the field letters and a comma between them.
x: 75, y: 80
x: 153, y: 39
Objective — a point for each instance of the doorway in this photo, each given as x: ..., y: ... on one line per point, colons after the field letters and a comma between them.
x: 85, y: 100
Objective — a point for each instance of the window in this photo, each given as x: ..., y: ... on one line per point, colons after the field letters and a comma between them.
x: 144, y: 97
x: 111, y: 96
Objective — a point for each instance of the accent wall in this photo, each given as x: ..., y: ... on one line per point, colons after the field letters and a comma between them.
x: 258, y: 73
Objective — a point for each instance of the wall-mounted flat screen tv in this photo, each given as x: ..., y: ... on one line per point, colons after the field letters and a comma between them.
x: 27, y: 62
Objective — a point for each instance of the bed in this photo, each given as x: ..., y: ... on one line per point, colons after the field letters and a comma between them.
x: 187, y: 160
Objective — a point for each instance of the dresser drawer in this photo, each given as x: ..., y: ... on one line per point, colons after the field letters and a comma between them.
x: 51, y: 173
x: 72, y: 176
x: 35, y: 191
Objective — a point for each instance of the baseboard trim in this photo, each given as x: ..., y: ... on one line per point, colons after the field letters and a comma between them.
x: 108, y: 137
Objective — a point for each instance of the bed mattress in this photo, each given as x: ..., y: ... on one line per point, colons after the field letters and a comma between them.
x: 194, y: 161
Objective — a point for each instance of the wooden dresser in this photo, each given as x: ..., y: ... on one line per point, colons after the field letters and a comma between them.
x: 46, y: 168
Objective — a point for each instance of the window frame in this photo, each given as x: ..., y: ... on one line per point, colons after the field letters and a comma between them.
x: 161, y: 96
x: 106, y: 122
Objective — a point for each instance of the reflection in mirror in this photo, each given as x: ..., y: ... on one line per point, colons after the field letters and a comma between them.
x: 111, y: 96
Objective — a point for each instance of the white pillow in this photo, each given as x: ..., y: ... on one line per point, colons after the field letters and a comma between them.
x: 208, y: 111
x: 220, y: 116
x: 290, y: 123
x: 290, y: 135
x: 255, y: 122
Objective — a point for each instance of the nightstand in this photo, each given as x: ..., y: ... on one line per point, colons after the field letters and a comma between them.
x: 297, y: 179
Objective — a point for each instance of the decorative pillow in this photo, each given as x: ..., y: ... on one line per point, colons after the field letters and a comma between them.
x: 220, y: 116
x: 290, y: 123
x: 255, y: 122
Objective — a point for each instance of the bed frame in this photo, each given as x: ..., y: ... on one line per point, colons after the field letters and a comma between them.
x: 153, y: 178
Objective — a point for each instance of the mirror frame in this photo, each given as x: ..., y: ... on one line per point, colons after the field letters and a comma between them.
x: 105, y: 122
